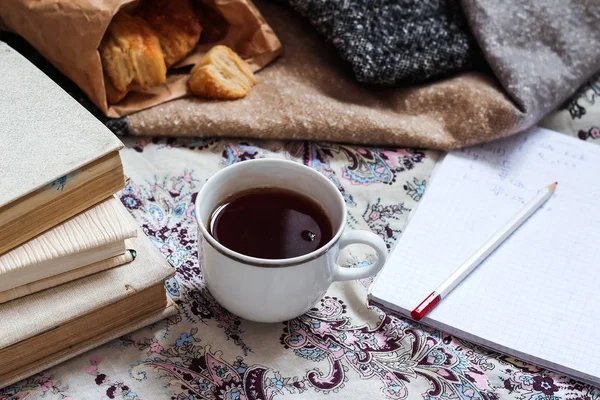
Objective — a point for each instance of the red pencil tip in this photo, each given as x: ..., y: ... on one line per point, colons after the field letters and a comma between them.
x: 426, y: 305
x: 415, y: 315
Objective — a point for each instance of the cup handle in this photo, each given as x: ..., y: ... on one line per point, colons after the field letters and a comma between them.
x: 361, y: 237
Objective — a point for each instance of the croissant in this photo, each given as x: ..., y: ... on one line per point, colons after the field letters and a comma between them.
x: 131, y: 55
x: 221, y: 74
x: 112, y: 94
x: 175, y: 24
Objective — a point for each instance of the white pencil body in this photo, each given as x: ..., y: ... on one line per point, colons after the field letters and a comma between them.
x: 495, y: 241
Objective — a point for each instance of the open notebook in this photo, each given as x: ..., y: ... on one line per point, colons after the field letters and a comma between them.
x: 537, y: 296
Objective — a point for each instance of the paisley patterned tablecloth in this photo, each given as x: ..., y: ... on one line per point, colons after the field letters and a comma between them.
x: 342, y: 348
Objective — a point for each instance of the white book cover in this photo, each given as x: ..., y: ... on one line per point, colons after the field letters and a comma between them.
x: 535, y: 297
x: 45, y: 133
x: 94, y: 235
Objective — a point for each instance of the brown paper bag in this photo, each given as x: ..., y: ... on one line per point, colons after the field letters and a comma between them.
x: 68, y: 33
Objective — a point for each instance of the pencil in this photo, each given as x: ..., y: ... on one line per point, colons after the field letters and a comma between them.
x: 484, y: 251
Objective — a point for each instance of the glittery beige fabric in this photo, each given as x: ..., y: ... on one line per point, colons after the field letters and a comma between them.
x: 309, y: 94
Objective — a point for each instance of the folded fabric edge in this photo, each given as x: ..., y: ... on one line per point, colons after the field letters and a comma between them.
x: 540, y: 53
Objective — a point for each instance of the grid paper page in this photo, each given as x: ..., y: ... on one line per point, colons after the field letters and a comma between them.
x: 536, y: 296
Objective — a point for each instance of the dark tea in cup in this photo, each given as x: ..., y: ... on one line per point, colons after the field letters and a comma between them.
x: 271, y: 234
x: 270, y: 223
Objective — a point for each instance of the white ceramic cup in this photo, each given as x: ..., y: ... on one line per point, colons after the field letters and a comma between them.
x: 267, y: 290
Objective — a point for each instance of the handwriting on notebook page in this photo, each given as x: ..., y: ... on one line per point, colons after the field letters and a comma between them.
x: 502, y: 153
x: 506, y: 158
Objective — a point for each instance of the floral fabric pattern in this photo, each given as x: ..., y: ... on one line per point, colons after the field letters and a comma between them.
x: 342, y: 348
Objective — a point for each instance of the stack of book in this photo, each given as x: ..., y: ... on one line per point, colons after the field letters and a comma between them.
x: 75, y: 269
